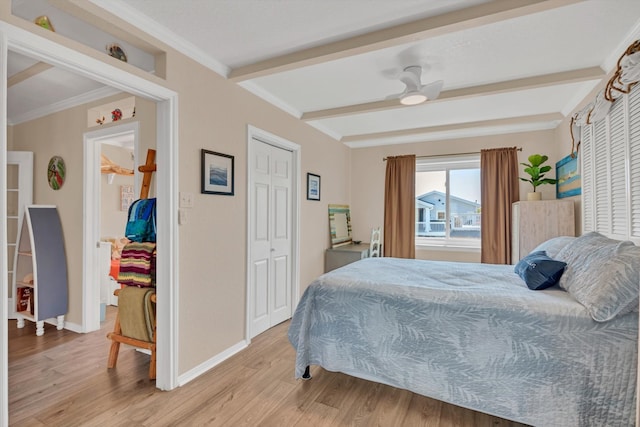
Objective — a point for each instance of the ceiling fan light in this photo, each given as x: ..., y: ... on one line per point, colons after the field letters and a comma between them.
x: 413, y: 98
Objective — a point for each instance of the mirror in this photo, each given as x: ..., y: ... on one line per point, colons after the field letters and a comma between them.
x: 339, y: 225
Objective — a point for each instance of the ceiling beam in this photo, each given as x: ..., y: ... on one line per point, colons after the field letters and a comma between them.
x: 27, y: 73
x: 475, y: 16
x: 455, y: 126
x: 564, y: 77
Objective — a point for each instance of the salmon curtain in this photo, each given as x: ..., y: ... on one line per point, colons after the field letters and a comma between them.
x: 500, y: 188
x: 400, y: 207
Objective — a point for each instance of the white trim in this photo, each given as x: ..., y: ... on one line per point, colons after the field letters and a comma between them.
x: 65, y: 104
x: 91, y: 217
x: 454, y: 134
x: 4, y: 287
x: 40, y: 48
x: 264, y: 136
x: 260, y: 92
x: 192, y: 374
x: 162, y: 33
x: 325, y: 129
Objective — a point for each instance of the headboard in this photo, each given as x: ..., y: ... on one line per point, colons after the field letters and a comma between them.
x: 610, y: 157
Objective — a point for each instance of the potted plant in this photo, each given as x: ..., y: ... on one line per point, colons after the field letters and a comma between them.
x: 536, y: 172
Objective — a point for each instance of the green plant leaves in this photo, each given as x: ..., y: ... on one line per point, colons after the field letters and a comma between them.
x: 534, y: 169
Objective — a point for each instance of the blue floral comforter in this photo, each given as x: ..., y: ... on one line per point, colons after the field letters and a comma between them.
x: 473, y: 335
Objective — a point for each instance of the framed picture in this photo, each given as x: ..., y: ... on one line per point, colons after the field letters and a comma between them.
x: 126, y: 197
x: 313, y: 187
x: 217, y: 173
x: 568, y: 178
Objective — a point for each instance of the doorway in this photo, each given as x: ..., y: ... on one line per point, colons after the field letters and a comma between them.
x: 272, y: 230
x: 93, y: 141
x: 47, y: 51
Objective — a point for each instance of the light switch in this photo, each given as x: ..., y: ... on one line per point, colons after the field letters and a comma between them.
x: 186, y: 200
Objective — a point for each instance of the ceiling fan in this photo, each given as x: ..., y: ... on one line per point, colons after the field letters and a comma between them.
x: 415, y: 92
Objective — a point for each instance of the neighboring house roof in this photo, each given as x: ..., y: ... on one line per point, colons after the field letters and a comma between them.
x: 423, y: 204
x: 424, y: 198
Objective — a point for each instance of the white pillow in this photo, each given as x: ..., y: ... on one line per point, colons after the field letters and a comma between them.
x: 602, y: 274
x: 553, y: 245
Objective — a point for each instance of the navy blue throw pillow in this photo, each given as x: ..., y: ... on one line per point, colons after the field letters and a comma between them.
x: 539, y: 271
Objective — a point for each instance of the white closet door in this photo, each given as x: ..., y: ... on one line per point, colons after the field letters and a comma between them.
x: 270, y: 240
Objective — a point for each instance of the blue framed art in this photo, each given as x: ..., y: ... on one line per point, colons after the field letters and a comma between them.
x: 568, y: 178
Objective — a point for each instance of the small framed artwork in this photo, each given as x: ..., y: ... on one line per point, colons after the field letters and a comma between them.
x: 126, y: 197
x: 217, y: 173
x: 313, y: 187
x: 568, y: 178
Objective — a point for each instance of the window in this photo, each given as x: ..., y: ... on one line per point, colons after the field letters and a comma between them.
x: 448, y: 209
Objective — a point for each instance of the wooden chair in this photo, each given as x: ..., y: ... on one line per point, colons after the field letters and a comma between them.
x: 375, y: 247
x: 117, y: 338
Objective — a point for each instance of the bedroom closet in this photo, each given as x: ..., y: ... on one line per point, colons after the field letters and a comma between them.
x: 272, y: 227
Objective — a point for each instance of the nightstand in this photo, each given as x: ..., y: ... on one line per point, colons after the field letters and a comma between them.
x: 343, y: 255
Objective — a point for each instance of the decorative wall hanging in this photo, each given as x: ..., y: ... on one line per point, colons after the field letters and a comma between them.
x: 568, y: 178
x: 116, y: 115
x: 44, y: 22
x: 117, y: 52
x: 625, y: 77
x: 56, y: 172
x: 126, y: 197
x: 216, y: 173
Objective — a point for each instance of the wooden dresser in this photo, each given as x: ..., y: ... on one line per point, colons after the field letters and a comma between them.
x: 537, y: 221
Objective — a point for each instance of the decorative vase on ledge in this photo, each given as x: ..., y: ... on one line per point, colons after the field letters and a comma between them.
x: 534, y: 196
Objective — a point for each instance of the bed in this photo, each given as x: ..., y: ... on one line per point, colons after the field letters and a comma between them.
x: 476, y: 336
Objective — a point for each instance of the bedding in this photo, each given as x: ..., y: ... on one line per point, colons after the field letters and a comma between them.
x: 473, y: 335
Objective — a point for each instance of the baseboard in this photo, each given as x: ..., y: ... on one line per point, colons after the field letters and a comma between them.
x: 214, y: 361
x: 73, y: 327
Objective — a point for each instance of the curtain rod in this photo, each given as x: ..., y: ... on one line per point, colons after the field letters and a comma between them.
x: 384, y: 159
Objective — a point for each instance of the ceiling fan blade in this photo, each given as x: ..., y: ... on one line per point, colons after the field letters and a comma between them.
x: 411, y: 77
x: 432, y: 90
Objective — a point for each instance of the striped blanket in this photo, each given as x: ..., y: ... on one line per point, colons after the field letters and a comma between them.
x: 137, y: 264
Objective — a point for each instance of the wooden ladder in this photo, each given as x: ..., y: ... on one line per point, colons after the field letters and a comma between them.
x: 116, y: 336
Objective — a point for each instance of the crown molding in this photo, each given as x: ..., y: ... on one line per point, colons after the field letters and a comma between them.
x: 64, y: 104
x: 160, y: 32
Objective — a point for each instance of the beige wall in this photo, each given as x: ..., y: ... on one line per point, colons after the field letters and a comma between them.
x: 213, y: 114
x: 112, y: 218
x: 368, y: 171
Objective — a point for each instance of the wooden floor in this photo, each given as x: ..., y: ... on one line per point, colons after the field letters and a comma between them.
x: 61, y: 379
